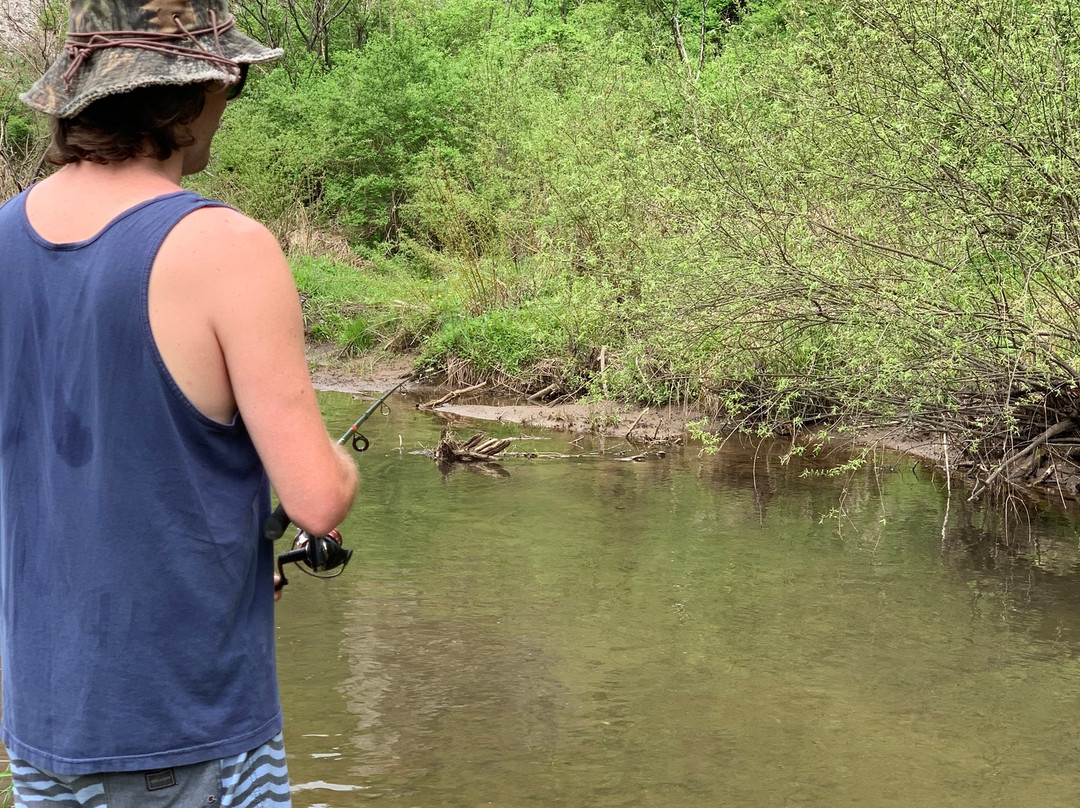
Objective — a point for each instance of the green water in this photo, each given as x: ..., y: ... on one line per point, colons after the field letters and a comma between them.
x: 686, y: 631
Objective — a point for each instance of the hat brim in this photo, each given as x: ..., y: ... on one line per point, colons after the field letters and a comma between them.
x: 119, y: 70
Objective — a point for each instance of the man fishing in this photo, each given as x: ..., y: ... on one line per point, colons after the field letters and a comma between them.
x: 153, y: 383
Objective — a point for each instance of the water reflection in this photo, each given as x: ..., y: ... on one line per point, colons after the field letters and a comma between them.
x: 687, y: 631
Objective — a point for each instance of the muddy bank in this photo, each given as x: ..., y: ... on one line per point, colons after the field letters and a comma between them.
x: 662, y: 425
x: 331, y: 370
x: 654, y: 424
x: 1040, y: 470
x: 666, y: 424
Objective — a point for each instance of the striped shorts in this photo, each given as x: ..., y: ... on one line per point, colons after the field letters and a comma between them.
x: 251, y: 780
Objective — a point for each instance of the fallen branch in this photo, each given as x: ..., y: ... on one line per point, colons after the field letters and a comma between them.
x: 637, y: 421
x: 475, y: 449
x: 1056, y: 429
x: 450, y: 396
x: 541, y: 393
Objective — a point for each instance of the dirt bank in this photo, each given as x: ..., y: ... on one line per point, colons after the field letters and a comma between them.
x: 653, y: 424
x: 638, y: 424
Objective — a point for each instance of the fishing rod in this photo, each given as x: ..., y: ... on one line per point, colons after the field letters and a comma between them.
x: 323, y: 555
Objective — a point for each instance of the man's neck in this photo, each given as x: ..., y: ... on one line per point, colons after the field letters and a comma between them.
x: 136, y: 172
x: 81, y: 198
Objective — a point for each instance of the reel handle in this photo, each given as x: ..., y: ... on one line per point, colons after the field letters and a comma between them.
x: 276, y: 524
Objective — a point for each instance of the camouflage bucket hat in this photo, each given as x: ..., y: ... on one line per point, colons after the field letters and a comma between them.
x: 114, y: 46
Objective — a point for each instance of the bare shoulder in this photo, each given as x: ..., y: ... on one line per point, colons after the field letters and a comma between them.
x: 219, y: 237
x: 228, y: 268
x: 222, y: 221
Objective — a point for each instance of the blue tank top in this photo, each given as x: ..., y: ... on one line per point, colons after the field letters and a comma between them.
x: 136, y: 595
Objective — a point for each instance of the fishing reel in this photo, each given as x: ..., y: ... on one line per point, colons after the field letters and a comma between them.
x: 317, y: 556
x: 321, y: 556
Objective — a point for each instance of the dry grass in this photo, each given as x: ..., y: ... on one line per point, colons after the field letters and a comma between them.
x: 300, y: 236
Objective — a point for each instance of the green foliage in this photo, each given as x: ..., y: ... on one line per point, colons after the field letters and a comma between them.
x: 893, y: 207
x: 369, y: 306
x: 760, y: 235
x: 340, y: 141
x: 699, y: 432
x: 357, y: 335
x: 18, y: 129
x: 27, y: 38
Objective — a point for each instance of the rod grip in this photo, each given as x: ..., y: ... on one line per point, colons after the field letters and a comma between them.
x: 276, y: 524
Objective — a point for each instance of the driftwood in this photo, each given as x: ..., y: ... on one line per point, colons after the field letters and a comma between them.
x: 1011, y: 460
x: 451, y: 396
x: 476, y: 449
x: 541, y: 393
x: 484, y: 450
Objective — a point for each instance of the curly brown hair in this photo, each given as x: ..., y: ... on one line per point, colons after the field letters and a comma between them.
x: 146, y: 122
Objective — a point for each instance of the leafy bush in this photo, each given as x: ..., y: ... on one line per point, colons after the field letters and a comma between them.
x: 339, y: 141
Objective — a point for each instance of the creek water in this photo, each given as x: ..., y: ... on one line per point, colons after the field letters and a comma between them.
x: 726, y: 630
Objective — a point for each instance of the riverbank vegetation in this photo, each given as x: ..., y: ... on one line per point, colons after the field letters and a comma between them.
x: 800, y: 214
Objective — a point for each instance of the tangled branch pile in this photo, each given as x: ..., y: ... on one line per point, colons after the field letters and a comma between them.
x: 476, y: 448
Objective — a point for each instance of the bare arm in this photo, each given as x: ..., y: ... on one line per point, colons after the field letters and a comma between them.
x: 241, y: 292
